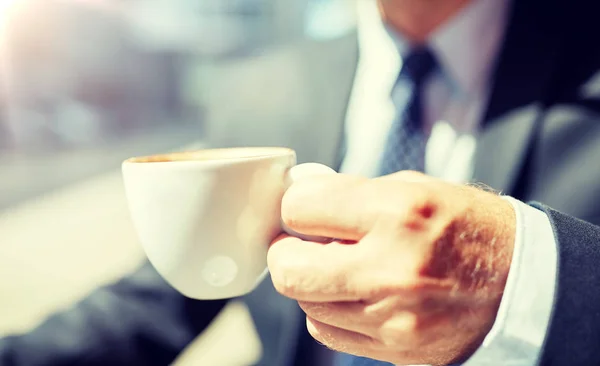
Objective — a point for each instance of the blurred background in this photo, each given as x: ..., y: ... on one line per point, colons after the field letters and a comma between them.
x: 96, y: 80
x: 85, y: 84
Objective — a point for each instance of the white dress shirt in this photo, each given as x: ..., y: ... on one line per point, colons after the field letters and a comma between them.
x: 454, y: 102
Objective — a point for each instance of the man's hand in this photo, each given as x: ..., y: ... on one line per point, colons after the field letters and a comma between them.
x: 416, y: 272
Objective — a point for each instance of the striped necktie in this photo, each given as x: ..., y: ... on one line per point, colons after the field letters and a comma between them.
x: 405, y: 146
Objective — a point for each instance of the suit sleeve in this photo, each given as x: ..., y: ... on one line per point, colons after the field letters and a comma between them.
x: 574, y: 333
x: 140, y: 320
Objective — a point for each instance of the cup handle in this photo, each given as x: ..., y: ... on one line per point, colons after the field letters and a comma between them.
x: 302, y: 171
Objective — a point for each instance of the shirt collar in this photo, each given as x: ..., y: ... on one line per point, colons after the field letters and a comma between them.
x: 465, y: 46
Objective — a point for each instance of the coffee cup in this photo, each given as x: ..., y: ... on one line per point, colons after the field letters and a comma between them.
x: 205, y: 218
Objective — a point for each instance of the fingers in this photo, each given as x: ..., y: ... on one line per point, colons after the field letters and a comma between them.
x: 333, y: 206
x: 349, y: 207
x: 391, y: 320
x: 339, y: 272
x: 315, y: 272
x: 394, y: 327
x: 338, y: 339
x: 345, y: 315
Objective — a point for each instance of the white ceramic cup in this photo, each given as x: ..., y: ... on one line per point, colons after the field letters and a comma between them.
x: 205, y: 218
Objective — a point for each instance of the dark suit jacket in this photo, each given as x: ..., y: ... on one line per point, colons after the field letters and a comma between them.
x: 540, y: 140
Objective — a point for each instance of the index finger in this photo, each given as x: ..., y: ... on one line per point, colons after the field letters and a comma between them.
x: 315, y: 272
x: 333, y: 206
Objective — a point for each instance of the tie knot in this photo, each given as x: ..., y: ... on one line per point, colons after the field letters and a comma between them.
x: 419, y: 63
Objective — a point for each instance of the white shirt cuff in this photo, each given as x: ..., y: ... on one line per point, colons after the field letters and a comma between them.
x: 518, y: 335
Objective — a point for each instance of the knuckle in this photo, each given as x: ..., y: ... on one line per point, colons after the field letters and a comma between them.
x: 410, y: 208
x: 427, y: 204
x: 407, y: 280
x: 399, y: 276
x: 423, y: 200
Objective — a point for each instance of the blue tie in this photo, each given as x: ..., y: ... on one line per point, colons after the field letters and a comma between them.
x: 405, y: 146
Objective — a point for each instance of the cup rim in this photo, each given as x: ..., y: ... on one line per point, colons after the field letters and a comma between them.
x: 224, y: 154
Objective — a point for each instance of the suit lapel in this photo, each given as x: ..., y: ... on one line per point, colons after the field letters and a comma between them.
x: 519, y: 93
